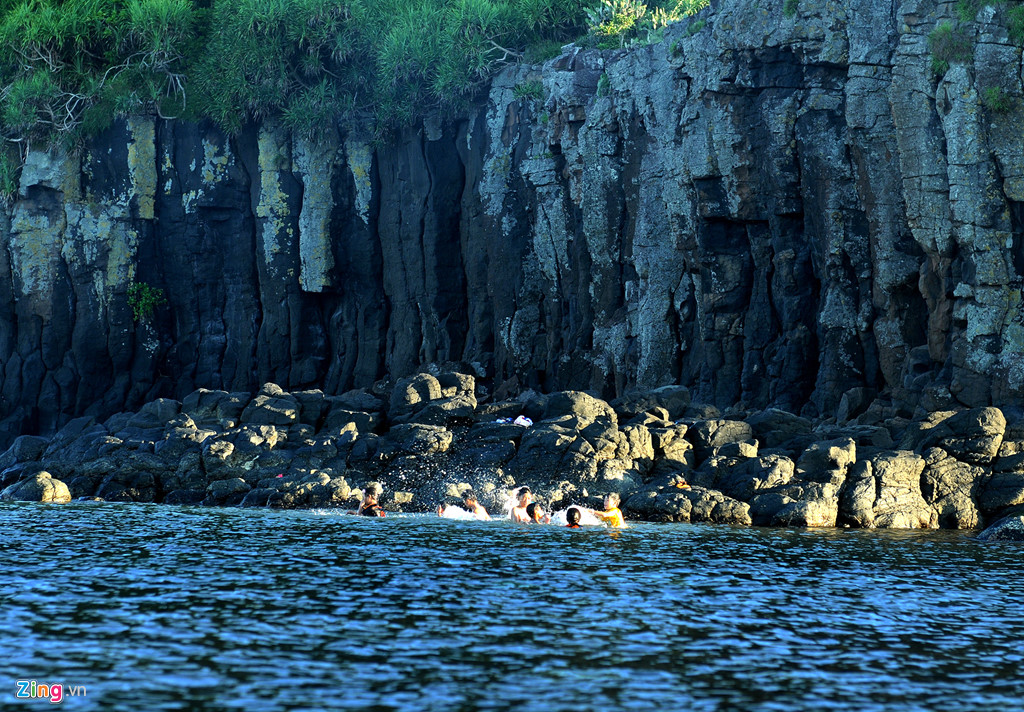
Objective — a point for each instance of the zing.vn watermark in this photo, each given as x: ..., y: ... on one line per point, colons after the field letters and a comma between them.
x: 32, y: 690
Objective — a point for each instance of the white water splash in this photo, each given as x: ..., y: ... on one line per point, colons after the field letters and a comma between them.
x: 587, y: 518
x: 453, y: 511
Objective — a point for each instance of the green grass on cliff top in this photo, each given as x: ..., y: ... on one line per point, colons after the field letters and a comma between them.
x: 69, y: 67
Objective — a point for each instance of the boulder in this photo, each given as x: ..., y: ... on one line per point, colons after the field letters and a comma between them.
x: 618, y: 476
x: 829, y: 456
x: 454, y: 384
x: 764, y: 506
x: 185, y: 496
x: 26, y: 448
x: 808, y: 513
x: 75, y: 429
x: 951, y: 487
x: 666, y: 503
x: 226, y: 492
x: 412, y: 393
x: 312, y: 405
x: 178, y: 441
x: 707, y: 435
x: 583, y: 406
x: 1006, y: 529
x: 155, y: 414
x: 188, y: 475
x: 271, y: 406
x: 359, y: 399
x: 1005, y: 487
x: 669, y: 402
x: 446, y: 411
x: 922, y: 434
x: 809, y: 497
x: 339, y: 418
x: 854, y: 402
x: 222, y: 407
x: 858, y: 496
x: 18, y: 472
x: 670, y: 444
x: 41, y: 487
x: 884, y: 490
x: 976, y: 435
x: 128, y: 484
x: 774, y: 427
x: 262, y: 497
x: 417, y: 439
x: 745, y: 479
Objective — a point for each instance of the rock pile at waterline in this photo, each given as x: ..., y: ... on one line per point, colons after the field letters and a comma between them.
x: 428, y: 436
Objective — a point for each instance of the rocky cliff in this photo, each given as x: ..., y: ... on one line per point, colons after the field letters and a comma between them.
x: 772, y: 211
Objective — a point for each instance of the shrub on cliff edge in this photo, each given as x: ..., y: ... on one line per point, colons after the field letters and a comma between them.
x: 948, y: 44
x: 69, y: 67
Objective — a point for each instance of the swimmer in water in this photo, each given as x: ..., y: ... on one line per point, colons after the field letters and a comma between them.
x: 536, y: 514
x: 612, y: 515
x: 369, y: 507
x: 470, y: 500
x: 572, y: 517
x: 518, y: 513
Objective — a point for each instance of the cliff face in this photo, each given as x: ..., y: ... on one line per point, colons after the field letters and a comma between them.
x: 769, y: 210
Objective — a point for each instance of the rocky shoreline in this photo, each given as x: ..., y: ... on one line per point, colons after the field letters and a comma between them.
x: 428, y: 436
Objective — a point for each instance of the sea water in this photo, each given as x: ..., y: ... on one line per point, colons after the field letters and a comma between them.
x: 147, y: 607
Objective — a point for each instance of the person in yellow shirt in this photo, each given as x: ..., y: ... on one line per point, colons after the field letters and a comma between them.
x: 612, y: 515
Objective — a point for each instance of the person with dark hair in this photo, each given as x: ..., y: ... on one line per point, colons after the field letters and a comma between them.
x: 612, y: 515
x: 369, y: 507
x: 518, y: 513
x: 572, y: 517
x: 536, y: 514
x: 474, y: 506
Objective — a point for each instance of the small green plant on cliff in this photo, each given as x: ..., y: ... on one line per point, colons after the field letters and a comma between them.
x: 1015, y: 24
x: 9, y: 172
x: 967, y: 10
x: 789, y: 7
x: 695, y: 27
x: 543, y: 50
x: 948, y: 44
x: 144, y: 299
x: 533, y: 89
x: 604, y: 85
x: 996, y: 100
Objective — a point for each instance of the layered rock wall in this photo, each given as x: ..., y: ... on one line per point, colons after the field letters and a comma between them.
x: 773, y: 211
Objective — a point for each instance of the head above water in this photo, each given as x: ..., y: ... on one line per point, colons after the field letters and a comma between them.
x: 524, y: 495
x: 374, y: 489
x: 572, y: 516
x: 469, y: 497
x: 534, y: 511
x: 611, y: 499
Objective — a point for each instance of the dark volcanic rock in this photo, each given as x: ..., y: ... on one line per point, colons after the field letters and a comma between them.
x: 771, y: 243
x: 1006, y: 529
x: 669, y: 503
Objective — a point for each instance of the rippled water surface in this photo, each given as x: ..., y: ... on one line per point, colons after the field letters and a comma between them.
x: 157, y: 607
